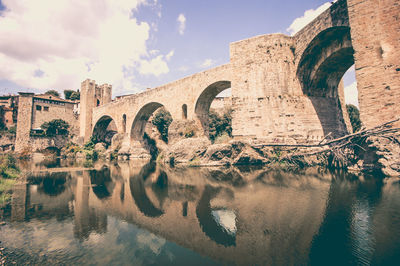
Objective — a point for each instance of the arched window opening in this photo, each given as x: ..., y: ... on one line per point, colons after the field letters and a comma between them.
x: 184, y: 111
x: 124, y: 123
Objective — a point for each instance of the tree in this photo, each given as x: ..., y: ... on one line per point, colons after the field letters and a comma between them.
x: 220, y: 124
x: 55, y: 127
x: 354, y: 115
x: 71, y: 95
x: 76, y: 95
x: 67, y: 94
x: 162, y: 119
x: 52, y: 92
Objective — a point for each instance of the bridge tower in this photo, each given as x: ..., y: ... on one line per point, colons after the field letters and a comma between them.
x: 92, y: 96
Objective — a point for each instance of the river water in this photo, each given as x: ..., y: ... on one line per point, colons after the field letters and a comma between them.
x: 137, y: 213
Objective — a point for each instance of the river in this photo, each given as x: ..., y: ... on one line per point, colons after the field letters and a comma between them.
x: 138, y: 213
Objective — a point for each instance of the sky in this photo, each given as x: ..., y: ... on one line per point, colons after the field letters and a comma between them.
x: 134, y: 44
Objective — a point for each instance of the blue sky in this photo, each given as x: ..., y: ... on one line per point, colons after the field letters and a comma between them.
x: 132, y: 44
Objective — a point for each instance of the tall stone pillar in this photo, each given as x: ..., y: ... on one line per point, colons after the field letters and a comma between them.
x: 24, y: 124
x: 106, y: 93
x: 87, y: 103
x: 375, y: 32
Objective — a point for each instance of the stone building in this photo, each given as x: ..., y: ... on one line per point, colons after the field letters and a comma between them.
x: 34, y: 110
x: 9, y: 110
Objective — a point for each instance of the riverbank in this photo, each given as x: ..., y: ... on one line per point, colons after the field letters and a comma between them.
x: 9, y: 176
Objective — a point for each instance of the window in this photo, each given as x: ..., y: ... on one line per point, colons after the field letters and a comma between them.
x: 38, y: 108
x: 184, y: 111
x: 46, y: 108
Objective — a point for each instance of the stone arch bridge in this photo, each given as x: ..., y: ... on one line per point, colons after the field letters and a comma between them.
x: 285, y: 89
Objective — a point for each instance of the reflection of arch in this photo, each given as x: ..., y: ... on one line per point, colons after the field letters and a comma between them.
x: 323, y: 63
x: 139, y: 193
x: 52, y: 184
x: 104, y: 129
x: 184, y: 111
x: 139, y: 123
x: 205, y: 99
x: 208, y: 223
x: 102, y: 184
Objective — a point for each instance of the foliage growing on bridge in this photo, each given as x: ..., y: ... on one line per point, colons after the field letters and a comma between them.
x: 354, y: 115
x: 52, y: 92
x: 162, y: 119
x: 220, y: 124
x: 55, y: 127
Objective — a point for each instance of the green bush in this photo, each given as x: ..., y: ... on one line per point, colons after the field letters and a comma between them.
x: 162, y: 119
x: 91, y: 143
x: 8, y: 167
x: 220, y: 124
x: 12, y: 130
x: 55, y: 127
x: 354, y: 115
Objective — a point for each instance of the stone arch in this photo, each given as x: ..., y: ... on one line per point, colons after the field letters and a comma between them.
x: 104, y: 129
x: 141, y: 118
x: 52, y: 150
x: 205, y: 99
x: 184, y: 111
x: 321, y: 68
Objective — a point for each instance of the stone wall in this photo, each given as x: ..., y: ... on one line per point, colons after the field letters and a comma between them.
x: 45, y: 111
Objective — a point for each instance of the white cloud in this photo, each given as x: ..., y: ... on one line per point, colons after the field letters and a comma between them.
x: 156, y: 66
x: 351, y: 94
x: 183, y: 68
x: 169, y: 55
x: 182, y: 23
x: 71, y: 40
x: 309, y: 15
x: 207, y: 63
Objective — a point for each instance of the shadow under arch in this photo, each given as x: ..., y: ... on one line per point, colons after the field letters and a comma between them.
x: 104, y: 129
x: 321, y: 68
x: 139, y: 193
x: 205, y: 99
x: 101, y: 183
x: 207, y: 221
x: 141, y: 118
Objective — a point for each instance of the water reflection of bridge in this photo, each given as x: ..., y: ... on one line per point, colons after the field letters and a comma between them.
x: 236, y: 216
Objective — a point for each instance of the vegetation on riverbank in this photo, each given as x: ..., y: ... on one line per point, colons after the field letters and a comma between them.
x: 220, y: 126
x: 9, y: 172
